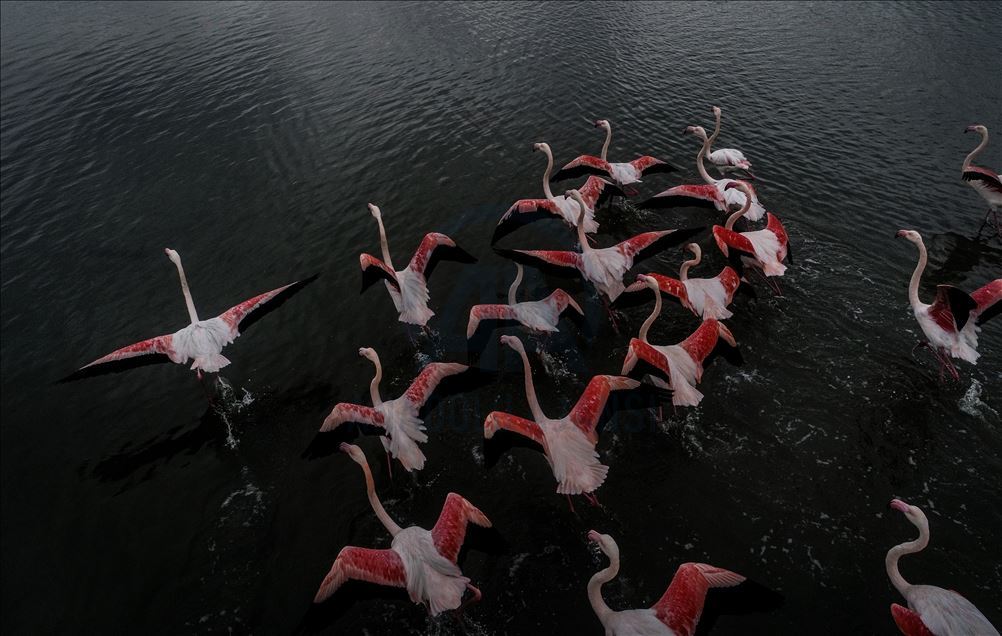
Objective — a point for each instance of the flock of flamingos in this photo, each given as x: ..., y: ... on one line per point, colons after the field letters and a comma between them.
x: 424, y: 561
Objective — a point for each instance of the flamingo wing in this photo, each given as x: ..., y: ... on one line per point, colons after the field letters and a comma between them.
x: 774, y: 225
x: 585, y: 164
x: 908, y: 621
x: 235, y: 315
x: 433, y: 246
x: 701, y: 195
x: 595, y: 189
x: 424, y: 385
x: 649, y: 165
x: 450, y: 529
x: 983, y: 177
x: 373, y: 269
x: 735, y: 240
x: 701, y: 342
x: 951, y: 308
x: 158, y: 345
x: 556, y: 258
x: 667, y: 285
x: 523, y: 212
x: 647, y: 244
x: 587, y: 411
x: 489, y: 312
x: 506, y: 421
x: 640, y: 350
x: 682, y: 603
x: 382, y: 567
x: 345, y: 412
x: 987, y: 299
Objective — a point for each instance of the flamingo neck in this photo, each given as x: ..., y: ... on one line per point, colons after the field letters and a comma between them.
x: 582, y: 237
x: 913, y: 286
x: 377, y: 506
x: 384, y: 244
x: 909, y: 547
x: 513, y: 290
x: 546, y: 174
x: 605, y: 146
x: 716, y: 132
x: 683, y: 272
x: 374, y: 385
x: 644, y: 328
x: 530, y: 389
x: 703, y: 150
x: 192, y: 314
x: 733, y: 218
x: 974, y: 153
x: 595, y: 584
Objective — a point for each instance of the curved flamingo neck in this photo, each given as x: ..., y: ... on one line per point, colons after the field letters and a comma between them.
x: 974, y: 153
x: 683, y: 272
x: 595, y: 584
x: 384, y: 244
x: 374, y: 384
x: 733, y: 218
x: 909, y: 547
x: 608, y: 140
x: 716, y: 131
x: 377, y: 506
x: 513, y: 290
x: 644, y: 328
x: 703, y: 150
x: 913, y: 286
x: 582, y: 237
x: 546, y: 173
x: 530, y: 389
x: 192, y: 314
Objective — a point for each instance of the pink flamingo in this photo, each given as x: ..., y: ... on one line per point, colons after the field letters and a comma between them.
x: 726, y: 159
x: 538, y: 315
x: 705, y: 297
x: 931, y: 610
x: 951, y: 322
x: 622, y: 174
x: 408, y: 287
x: 603, y: 267
x: 762, y: 250
x: 677, y: 611
x: 562, y: 206
x: 399, y: 417
x: 422, y: 561
x: 202, y: 341
x: 987, y: 183
x: 681, y: 363
x: 713, y: 192
x: 569, y: 442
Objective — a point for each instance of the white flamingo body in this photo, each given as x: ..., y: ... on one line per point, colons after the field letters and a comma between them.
x: 605, y: 269
x: 537, y: 315
x: 404, y: 431
x: 202, y: 342
x: 725, y: 159
x: 768, y: 252
x: 431, y: 578
x: 708, y: 297
x: 961, y: 344
x: 411, y: 302
x: 624, y: 173
x: 987, y: 183
x: 572, y: 457
x: 621, y: 173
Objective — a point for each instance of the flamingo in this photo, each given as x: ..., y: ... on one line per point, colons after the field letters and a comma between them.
x: 202, y: 341
x: 931, y: 610
x: 678, y: 610
x: 569, y: 442
x: 538, y: 315
x: 713, y: 192
x: 603, y: 267
x: 398, y: 417
x: 622, y: 174
x: 562, y: 207
x: 726, y: 159
x: 763, y: 250
x: 705, y: 297
x: 420, y: 560
x: 681, y: 363
x: 951, y: 323
x: 408, y: 287
x: 987, y: 183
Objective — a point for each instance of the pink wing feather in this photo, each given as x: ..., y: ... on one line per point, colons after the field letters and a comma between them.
x: 527, y: 428
x: 450, y: 529
x: 160, y: 344
x: 382, y: 567
x: 553, y: 257
x: 345, y: 412
x: 589, y: 407
x: 424, y: 385
x: 682, y: 603
x: 909, y: 622
x: 234, y: 315
x: 632, y: 246
x: 429, y: 243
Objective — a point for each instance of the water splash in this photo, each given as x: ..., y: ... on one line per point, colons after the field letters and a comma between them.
x: 227, y: 403
x: 971, y: 403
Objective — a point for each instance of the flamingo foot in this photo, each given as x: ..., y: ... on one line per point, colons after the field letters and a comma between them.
x: 473, y: 599
x: 592, y: 499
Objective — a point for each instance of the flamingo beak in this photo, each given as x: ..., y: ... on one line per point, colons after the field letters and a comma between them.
x: 900, y: 506
x: 900, y: 234
x: 970, y: 129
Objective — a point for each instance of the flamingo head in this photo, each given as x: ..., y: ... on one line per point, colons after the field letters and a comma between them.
x: 978, y: 128
x: 602, y: 123
x: 374, y: 211
x: 354, y: 452
x: 542, y: 147
x: 716, y: 111
x: 369, y: 354
x: 574, y: 194
x: 650, y: 281
x: 513, y: 342
x: 911, y: 235
x: 173, y: 256
x: 695, y: 130
x: 605, y: 543
x: 912, y: 513
x: 491, y: 425
x: 740, y: 185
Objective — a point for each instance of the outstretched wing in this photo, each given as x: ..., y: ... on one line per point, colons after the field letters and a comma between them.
x: 667, y: 285
x: 647, y: 244
x: 450, y: 529
x: 374, y: 269
x: 435, y: 246
x: 585, y: 164
x: 569, y: 260
x: 952, y: 308
x: 382, y: 567
x: 234, y: 315
x: 988, y: 299
x: 345, y: 412
x: 649, y: 165
x: 729, y: 239
x: 499, y: 420
x: 489, y: 312
x: 983, y: 178
x: 591, y: 403
x: 595, y: 188
x: 682, y: 603
x: 424, y: 385
x: 702, y: 195
x: 523, y: 212
x: 158, y: 345
x: 701, y: 342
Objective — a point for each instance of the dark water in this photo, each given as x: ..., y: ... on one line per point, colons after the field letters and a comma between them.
x: 249, y: 137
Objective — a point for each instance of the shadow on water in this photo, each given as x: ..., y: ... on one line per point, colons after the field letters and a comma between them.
x: 748, y: 598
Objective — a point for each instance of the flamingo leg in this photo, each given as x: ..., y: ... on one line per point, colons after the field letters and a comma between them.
x: 592, y: 499
x: 570, y: 503
x: 612, y: 315
x: 389, y: 465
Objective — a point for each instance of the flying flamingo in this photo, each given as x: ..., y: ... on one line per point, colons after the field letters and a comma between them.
x: 931, y: 610
x: 422, y: 561
x: 525, y: 210
x: 713, y: 192
x: 677, y: 611
x: 201, y: 341
x: 987, y: 183
x: 705, y: 297
x: 621, y: 174
x: 398, y: 417
x: 951, y: 322
x: 726, y: 159
x: 538, y: 315
x: 408, y: 287
x: 603, y: 267
x: 681, y: 363
x: 569, y: 442
x: 763, y: 250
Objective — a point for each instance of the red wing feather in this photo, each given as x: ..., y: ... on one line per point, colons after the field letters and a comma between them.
x: 554, y: 257
x: 682, y: 603
x: 729, y: 238
x: 592, y: 190
x: 702, y: 341
x: 160, y: 344
x: 645, y: 163
x: 423, y: 253
x: 527, y: 428
x: 632, y: 246
x: 234, y: 315
x: 983, y: 176
x: 423, y: 385
x: 382, y: 567
x: 952, y: 308
x: 591, y: 403
x: 909, y: 622
x: 450, y: 529
x: 987, y: 299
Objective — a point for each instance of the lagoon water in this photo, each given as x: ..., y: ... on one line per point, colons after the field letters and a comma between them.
x: 249, y: 137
